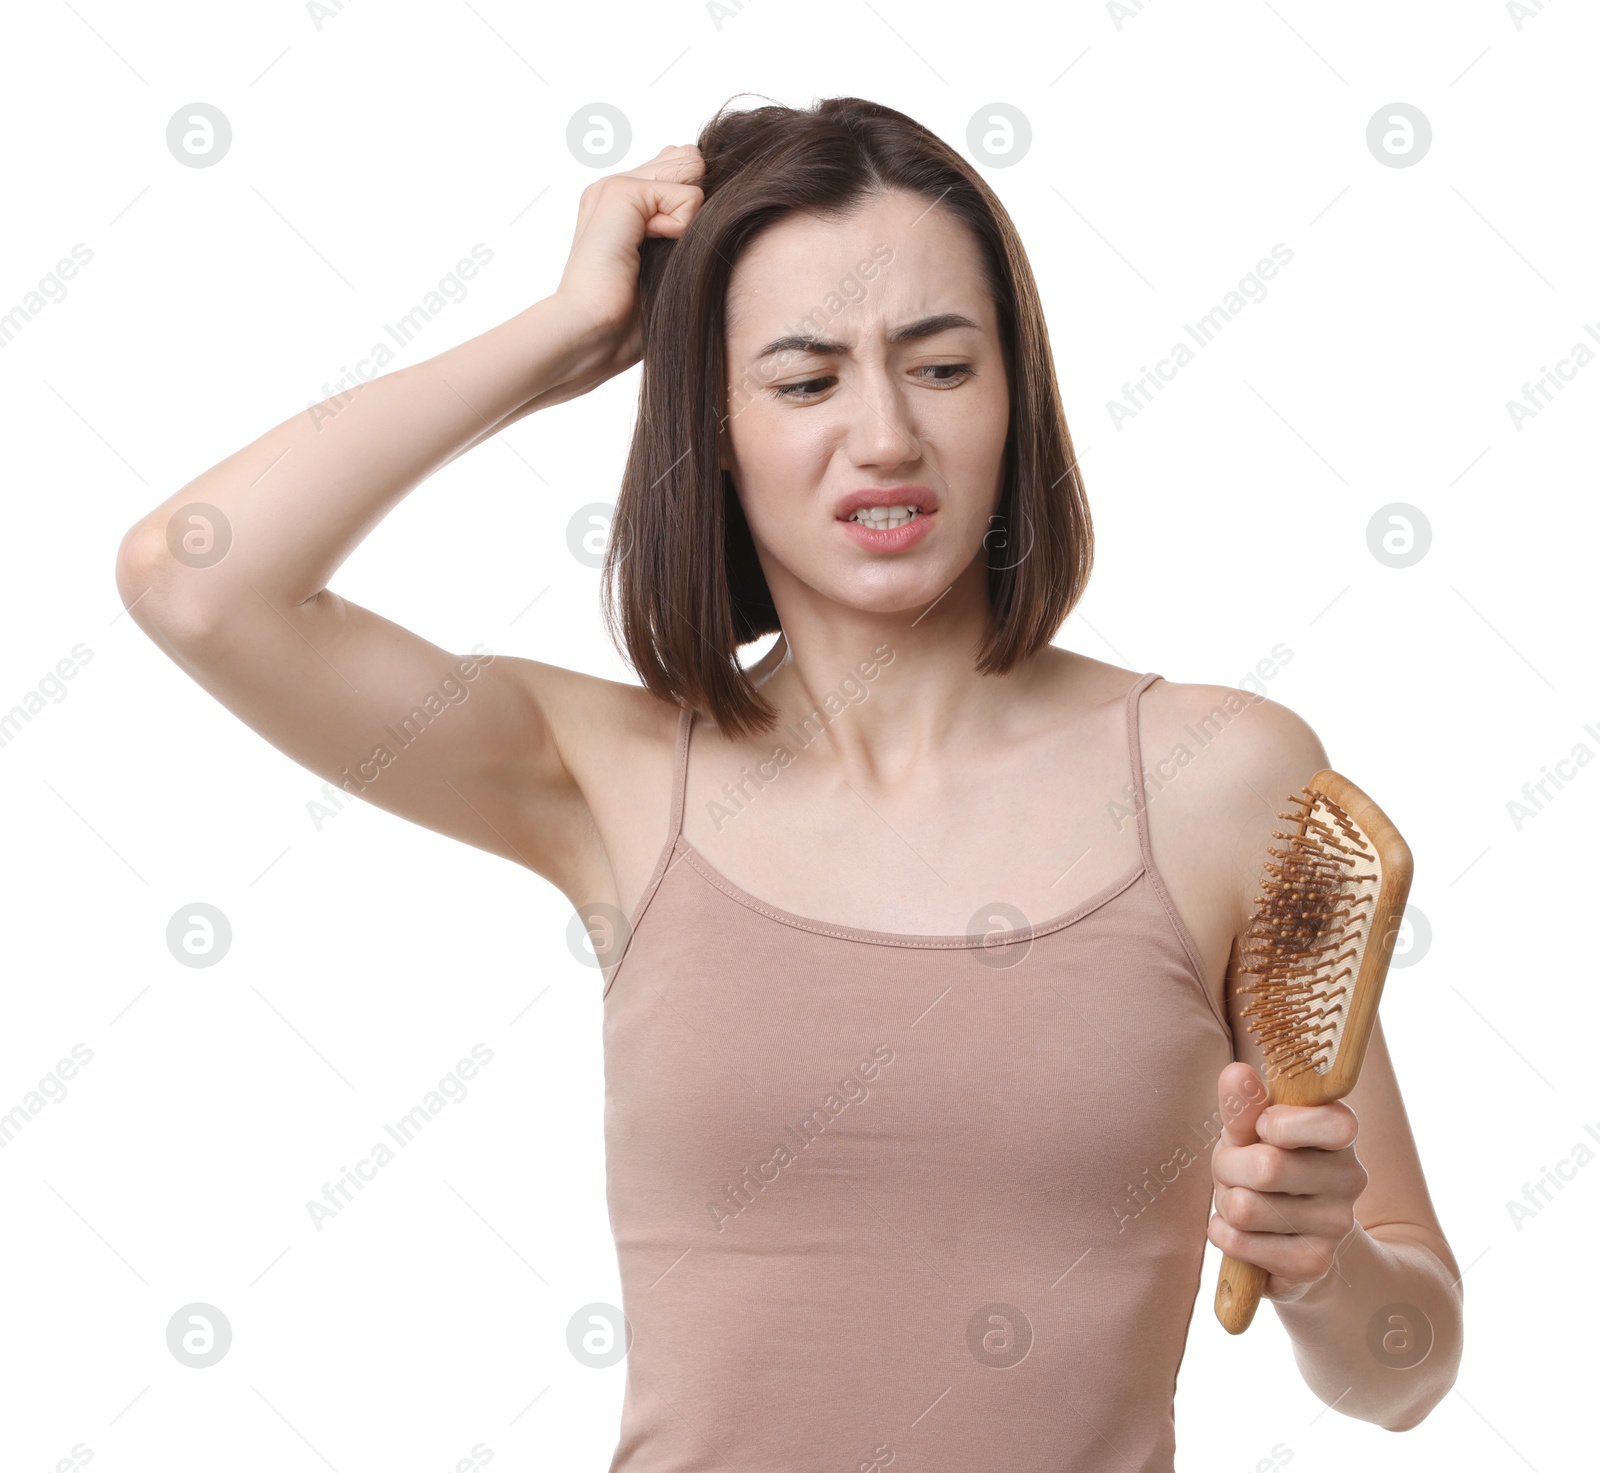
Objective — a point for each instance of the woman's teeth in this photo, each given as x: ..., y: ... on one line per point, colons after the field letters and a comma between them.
x: 884, y: 516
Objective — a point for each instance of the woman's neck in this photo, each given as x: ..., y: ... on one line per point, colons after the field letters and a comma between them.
x: 895, y: 701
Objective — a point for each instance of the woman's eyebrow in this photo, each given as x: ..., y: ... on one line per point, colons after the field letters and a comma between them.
x: 926, y: 327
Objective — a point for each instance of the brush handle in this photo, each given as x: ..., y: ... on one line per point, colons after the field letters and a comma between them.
x: 1239, y: 1289
x: 1240, y: 1285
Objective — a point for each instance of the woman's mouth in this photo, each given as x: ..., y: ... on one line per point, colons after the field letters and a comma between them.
x: 889, y: 528
x: 884, y: 516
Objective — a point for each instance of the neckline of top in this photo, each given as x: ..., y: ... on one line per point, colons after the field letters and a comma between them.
x: 932, y: 941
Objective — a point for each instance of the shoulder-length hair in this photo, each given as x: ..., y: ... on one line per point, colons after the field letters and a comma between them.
x: 682, y: 586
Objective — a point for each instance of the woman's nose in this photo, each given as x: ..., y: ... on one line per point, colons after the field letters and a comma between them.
x: 883, y: 428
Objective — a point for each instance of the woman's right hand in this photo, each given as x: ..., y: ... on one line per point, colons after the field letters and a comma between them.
x: 615, y: 215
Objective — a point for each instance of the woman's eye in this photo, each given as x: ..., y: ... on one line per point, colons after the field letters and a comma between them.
x: 794, y: 391
x: 811, y: 386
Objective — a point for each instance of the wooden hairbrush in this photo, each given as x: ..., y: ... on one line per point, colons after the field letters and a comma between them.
x: 1316, y: 955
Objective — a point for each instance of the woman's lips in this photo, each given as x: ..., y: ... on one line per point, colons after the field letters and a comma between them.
x: 888, y: 539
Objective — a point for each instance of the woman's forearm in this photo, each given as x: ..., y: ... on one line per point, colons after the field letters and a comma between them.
x: 300, y: 498
x: 1359, y: 1334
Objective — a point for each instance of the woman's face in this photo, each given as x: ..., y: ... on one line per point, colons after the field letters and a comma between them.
x: 891, y: 385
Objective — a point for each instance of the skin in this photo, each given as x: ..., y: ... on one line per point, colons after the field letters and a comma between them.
x: 569, y: 775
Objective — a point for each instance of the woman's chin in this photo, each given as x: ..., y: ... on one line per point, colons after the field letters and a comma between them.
x: 895, y: 593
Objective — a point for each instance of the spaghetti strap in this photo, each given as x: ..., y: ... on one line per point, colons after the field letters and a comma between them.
x: 680, y: 768
x: 680, y: 774
x: 1136, y: 764
x: 1141, y: 804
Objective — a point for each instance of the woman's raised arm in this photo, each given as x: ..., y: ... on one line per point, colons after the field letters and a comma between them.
x: 230, y: 575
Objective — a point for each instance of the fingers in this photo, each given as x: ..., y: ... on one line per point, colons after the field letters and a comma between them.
x: 675, y: 198
x: 675, y: 205
x: 1243, y: 1097
x: 677, y: 161
x: 1267, y: 1168
x: 1249, y: 1211
x: 1330, y: 1127
x: 665, y: 206
x: 1286, y: 1179
x: 1264, y: 1168
x: 1289, y: 1258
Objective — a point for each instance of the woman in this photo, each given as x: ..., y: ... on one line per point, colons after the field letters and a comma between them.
x: 917, y: 1012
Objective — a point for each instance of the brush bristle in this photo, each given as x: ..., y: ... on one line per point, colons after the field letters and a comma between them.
x: 1304, y: 946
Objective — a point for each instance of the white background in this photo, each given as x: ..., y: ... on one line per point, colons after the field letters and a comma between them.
x: 1169, y: 154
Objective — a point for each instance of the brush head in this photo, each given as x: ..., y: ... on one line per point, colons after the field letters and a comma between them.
x: 1318, y: 946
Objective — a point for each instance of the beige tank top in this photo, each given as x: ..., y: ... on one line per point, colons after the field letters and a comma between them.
x: 906, y: 1200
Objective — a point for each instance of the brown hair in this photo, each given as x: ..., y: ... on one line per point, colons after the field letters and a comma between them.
x: 682, y: 585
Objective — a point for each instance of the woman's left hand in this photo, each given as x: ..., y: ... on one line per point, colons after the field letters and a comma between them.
x: 1286, y: 1182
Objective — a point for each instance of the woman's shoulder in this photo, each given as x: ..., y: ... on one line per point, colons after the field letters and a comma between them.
x: 1245, y: 731
x: 1174, y: 706
x: 1230, y: 754
x: 1179, y: 718
x: 1221, y: 764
